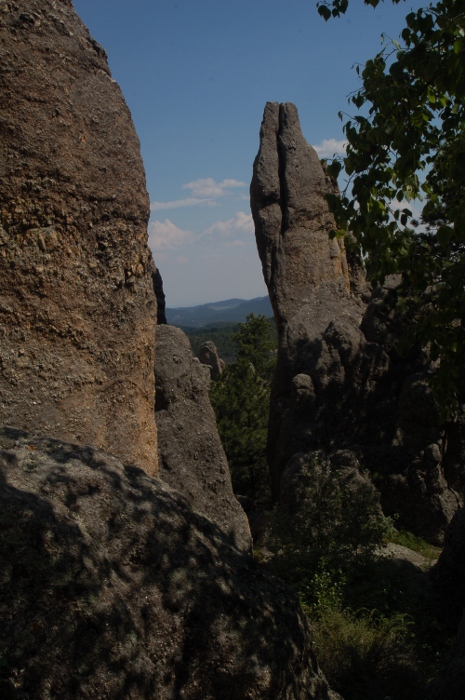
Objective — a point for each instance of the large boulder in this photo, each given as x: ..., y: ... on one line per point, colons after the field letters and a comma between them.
x: 340, y: 382
x: 111, y: 586
x: 191, y: 457
x: 77, y: 303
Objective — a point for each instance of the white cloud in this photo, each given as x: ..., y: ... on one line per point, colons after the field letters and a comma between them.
x: 188, y: 202
x: 204, y: 191
x: 208, y: 188
x: 330, y: 147
x: 240, y: 223
x: 235, y: 243
x: 166, y: 236
x: 411, y: 206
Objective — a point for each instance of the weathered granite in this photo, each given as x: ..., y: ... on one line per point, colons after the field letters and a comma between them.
x: 448, y: 578
x: 191, y: 457
x: 340, y: 382
x: 292, y: 219
x: 111, y: 586
x: 77, y: 304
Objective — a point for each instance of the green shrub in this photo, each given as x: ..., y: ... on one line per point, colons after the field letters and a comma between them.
x: 365, y: 656
x: 333, y: 510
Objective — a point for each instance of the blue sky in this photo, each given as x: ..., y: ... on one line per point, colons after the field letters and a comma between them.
x: 196, y: 75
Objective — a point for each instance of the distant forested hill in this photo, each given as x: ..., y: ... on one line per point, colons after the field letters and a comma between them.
x: 228, y: 311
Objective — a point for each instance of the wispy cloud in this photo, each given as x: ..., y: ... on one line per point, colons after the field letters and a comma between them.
x: 164, y: 235
x: 208, y: 188
x: 330, y: 147
x: 240, y: 223
x: 204, y: 192
x: 188, y: 202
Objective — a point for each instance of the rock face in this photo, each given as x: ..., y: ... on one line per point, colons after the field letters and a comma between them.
x: 208, y: 355
x: 191, y: 457
x: 448, y: 574
x: 340, y: 383
x: 451, y: 680
x: 111, y: 586
x: 448, y: 577
x: 292, y: 220
x: 292, y: 225
x: 77, y: 304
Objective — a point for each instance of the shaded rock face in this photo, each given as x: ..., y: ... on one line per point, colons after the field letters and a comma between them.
x: 112, y: 586
x: 208, y: 355
x: 77, y: 304
x: 191, y: 457
x: 340, y: 383
x: 450, y: 682
x: 448, y: 574
x: 448, y: 577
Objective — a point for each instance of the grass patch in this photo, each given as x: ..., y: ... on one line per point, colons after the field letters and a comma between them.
x: 417, y: 544
x: 367, y: 657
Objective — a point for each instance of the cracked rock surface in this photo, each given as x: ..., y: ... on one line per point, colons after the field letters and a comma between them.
x: 77, y: 305
x: 111, y: 586
x: 340, y: 382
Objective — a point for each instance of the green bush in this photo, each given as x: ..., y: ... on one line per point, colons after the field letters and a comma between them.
x: 332, y: 509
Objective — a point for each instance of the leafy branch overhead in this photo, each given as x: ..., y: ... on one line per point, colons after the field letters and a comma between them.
x: 406, y: 147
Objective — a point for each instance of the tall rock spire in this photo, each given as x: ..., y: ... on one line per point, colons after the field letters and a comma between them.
x: 77, y: 305
x: 292, y: 219
x: 340, y: 384
x: 305, y: 270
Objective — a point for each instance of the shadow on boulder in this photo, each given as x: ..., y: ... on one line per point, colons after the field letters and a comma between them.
x: 111, y: 586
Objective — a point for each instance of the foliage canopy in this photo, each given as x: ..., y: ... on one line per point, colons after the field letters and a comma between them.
x: 406, y: 146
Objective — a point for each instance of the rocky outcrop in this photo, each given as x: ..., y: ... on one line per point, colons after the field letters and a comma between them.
x: 77, y: 304
x: 292, y: 219
x: 208, y: 355
x: 340, y: 383
x: 448, y: 577
x: 112, y: 586
x: 450, y: 682
x: 191, y: 457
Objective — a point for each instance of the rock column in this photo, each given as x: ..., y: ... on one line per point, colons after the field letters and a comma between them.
x: 77, y: 303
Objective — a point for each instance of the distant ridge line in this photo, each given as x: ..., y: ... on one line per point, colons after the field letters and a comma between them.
x: 228, y: 311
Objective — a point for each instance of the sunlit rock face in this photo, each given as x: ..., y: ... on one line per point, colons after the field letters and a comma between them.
x: 77, y: 304
x: 292, y: 219
x: 306, y: 271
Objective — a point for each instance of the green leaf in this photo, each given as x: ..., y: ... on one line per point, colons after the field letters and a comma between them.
x: 324, y: 12
x: 410, y: 140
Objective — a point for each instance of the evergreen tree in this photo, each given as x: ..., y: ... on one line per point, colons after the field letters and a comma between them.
x: 240, y: 398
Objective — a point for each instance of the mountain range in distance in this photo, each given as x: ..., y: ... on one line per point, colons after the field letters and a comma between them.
x: 228, y: 311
